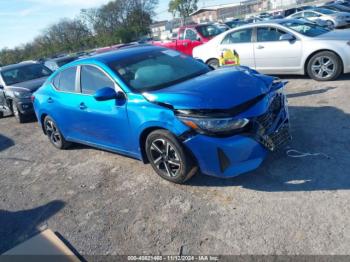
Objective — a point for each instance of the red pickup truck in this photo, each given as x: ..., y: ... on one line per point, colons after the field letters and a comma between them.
x: 190, y: 36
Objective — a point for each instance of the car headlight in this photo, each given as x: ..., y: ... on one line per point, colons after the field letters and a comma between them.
x: 214, y: 125
x: 22, y: 94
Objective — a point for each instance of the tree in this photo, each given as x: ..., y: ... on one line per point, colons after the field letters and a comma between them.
x: 182, y: 8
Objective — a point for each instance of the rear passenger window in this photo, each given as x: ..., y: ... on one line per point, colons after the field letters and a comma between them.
x: 269, y: 34
x: 92, y: 79
x: 65, y: 80
x: 241, y: 36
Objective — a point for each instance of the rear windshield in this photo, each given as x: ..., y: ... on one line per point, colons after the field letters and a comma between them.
x: 157, y: 69
x: 325, y: 11
x: 65, y: 61
x: 209, y: 30
x: 24, y: 73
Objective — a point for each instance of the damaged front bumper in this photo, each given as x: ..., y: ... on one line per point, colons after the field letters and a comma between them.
x: 237, y: 154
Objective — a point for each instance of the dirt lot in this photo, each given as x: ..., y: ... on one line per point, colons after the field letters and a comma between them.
x: 103, y: 203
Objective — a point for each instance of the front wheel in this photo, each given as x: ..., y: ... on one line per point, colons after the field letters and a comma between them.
x: 324, y: 66
x: 168, y: 157
x: 213, y: 63
x: 54, y: 134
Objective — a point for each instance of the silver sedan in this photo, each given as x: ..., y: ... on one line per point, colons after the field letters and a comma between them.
x: 285, y: 46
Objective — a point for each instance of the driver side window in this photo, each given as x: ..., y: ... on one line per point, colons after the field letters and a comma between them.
x: 92, y: 79
x: 191, y: 35
x: 269, y: 34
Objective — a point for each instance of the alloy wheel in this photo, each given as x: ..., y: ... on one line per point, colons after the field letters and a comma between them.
x: 323, y: 67
x: 165, y: 157
x: 53, y: 133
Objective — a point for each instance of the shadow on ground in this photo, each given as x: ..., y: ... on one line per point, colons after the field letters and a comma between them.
x: 314, y: 130
x: 5, y: 142
x: 305, y: 77
x: 18, y: 226
x: 312, y: 92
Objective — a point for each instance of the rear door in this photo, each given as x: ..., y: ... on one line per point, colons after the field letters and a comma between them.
x: 241, y: 42
x: 273, y: 55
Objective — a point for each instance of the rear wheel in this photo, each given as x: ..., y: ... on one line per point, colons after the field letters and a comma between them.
x: 213, y: 63
x: 168, y: 157
x: 324, y: 66
x: 54, y: 134
x: 1, y: 114
x: 18, y: 115
x: 330, y: 24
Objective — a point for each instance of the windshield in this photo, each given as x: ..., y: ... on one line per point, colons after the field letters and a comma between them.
x: 306, y: 29
x: 24, y: 73
x: 209, y: 30
x: 324, y: 11
x: 157, y: 69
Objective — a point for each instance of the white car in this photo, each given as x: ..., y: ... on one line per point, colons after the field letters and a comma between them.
x: 286, y: 46
x: 333, y: 18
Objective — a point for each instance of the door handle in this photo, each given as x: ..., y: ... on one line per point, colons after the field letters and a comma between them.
x: 260, y: 47
x: 82, y: 106
x: 50, y: 100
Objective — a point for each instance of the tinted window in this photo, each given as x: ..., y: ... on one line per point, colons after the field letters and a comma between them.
x: 157, y: 69
x: 208, y: 30
x: 310, y: 14
x: 269, y: 34
x: 65, y: 61
x: 241, y: 36
x: 24, y: 73
x: 93, y: 79
x: 65, y: 80
x: 191, y: 35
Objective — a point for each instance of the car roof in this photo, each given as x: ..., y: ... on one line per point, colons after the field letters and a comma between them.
x: 271, y: 22
x: 58, y: 59
x: 14, y: 66
x: 121, y: 53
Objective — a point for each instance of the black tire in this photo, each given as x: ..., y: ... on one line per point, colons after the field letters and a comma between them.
x: 317, y: 66
x: 213, y: 63
x: 330, y: 24
x: 169, y: 159
x: 54, y: 134
x: 1, y: 114
x: 18, y: 115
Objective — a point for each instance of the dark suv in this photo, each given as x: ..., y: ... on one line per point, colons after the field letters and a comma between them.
x: 17, y: 83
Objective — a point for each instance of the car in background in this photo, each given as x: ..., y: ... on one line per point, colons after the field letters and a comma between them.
x: 286, y: 46
x: 332, y: 18
x: 190, y: 36
x: 17, y: 84
x: 337, y: 7
x: 167, y: 109
x: 235, y: 23
x: 55, y: 63
x: 290, y: 11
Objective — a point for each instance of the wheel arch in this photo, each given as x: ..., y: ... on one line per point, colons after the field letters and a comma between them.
x: 42, y: 118
x: 318, y: 51
x: 142, y: 141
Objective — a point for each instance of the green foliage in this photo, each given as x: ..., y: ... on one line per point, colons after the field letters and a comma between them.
x: 119, y: 21
x: 182, y: 8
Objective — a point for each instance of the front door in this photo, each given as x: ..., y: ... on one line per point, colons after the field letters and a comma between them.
x: 273, y: 55
x: 103, y: 123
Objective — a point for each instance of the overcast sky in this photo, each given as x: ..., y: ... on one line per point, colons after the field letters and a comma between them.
x: 22, y: 20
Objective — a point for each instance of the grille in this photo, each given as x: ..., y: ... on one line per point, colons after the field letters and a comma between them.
x: 266, y: 120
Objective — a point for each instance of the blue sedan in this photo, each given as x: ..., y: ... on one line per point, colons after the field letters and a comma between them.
x: 167, y: 109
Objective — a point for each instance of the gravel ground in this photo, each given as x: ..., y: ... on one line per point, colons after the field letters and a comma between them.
x: 103, y: 203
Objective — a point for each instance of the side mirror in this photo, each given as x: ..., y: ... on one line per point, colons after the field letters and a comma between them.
x: 287, y: 37
x: 107, y: 93
x: 199, y: 39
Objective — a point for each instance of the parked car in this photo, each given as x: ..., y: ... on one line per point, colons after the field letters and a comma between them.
x: 167, y: 109
x: 290, y: 11
x: 287, y: 46
x: 334, y: 19
x: 191, y: 36
x: 17, y: 83
x: 55, y: 63
x: 235, y: 23
x: 337, y: 7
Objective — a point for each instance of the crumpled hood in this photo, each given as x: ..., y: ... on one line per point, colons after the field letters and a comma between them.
x: 30, y: 86
x: 338, y: 34
x: 218, y: 89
